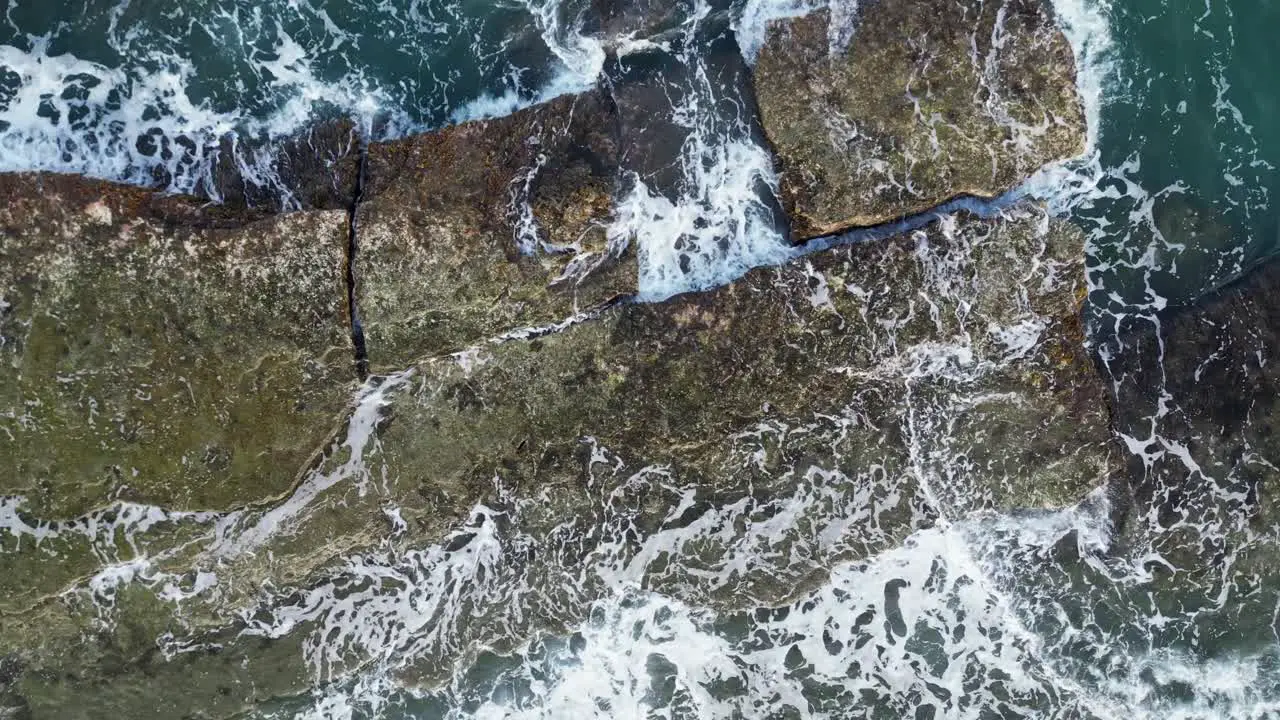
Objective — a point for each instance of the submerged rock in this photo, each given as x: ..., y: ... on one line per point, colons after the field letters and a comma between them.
x: 317, y: 169
x: 489, y: 226
x: 159, y: 351
x: 688, y: 90
x: 1197, y: 250
x: 615, y: 21
x: 1197, y: 400
x: 911, y: 104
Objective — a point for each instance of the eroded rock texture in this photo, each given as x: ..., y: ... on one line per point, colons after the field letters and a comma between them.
x: 911, y: 104
x: 802, y: 415
x: 159, y: 351
x: 489, y: 226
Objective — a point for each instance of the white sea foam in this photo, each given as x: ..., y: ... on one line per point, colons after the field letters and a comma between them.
x: 752, y: 22
x: 142, y: 125
x: 940, y: 622
x: 719, y: 227
x: 579, y: 58
x: 163, y: 113
x: 722, y: 222
x: 103, y: 114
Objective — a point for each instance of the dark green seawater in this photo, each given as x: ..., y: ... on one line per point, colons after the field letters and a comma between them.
x: 1188, y: 125
x: 1046, y: 616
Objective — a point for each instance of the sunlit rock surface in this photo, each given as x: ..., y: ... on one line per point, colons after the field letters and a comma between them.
x: 159, y: 351
x: 909, y: 104
x: 797, y: 417
x: 489, y: 226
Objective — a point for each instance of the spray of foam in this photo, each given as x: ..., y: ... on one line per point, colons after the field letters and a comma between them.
x: 579, y: 59
x: 722, y: 222
x: 142, y: 126
x: 72, y: 115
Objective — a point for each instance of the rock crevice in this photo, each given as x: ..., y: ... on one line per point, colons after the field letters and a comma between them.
x: 361, y: 352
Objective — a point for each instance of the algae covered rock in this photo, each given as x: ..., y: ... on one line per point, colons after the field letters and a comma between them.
x: 489, y: 226
x: 727, y: 447
x: 159, y: 351
x: 911, y: 104
x: 938, y: 372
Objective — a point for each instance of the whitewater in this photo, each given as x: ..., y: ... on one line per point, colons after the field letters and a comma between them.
x: 752, y: 609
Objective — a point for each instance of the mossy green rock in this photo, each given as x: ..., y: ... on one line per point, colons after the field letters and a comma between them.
x: 970, y: 328
x: 489, y: 226
x: 911, y: 104
x: 162, y: 352
x: 800, y: 416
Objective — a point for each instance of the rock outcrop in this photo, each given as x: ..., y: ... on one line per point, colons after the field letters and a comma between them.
x: 171, y: 373
x: 490, y: 226
x: 907, y: 345
x: 159, y: 351
x: 868, y: 389
x: 912, y: 104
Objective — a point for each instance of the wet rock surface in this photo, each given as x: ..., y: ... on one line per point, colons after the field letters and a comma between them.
x: 908, y: 104
x: 829, y: 392
x: 1197, y: 400
x: 159, y: 351
x: 882, y: 339
x: 489, y: 226
x: 184, y: 512
x: 823, y: 399
x: 315, y: 170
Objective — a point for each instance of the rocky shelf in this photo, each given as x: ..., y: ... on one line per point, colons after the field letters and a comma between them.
x: 189, y: 389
